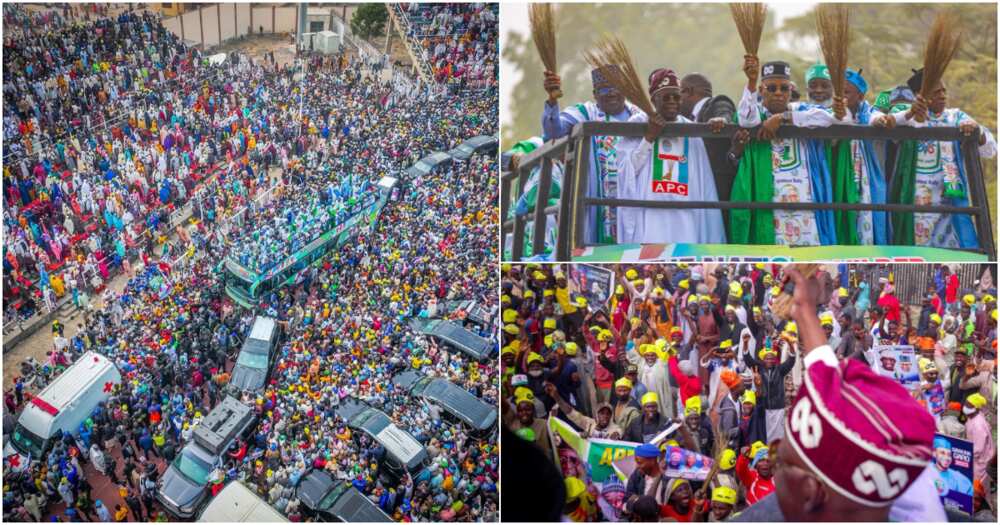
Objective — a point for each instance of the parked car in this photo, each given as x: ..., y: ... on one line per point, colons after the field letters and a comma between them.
x: 253, y: 365
x: 479, y: 416
x: 60, y: 408
x: 452, y: 335
x: 182, y: 488
x: 475, y: 145
x: 332, y: 500
x: 428, y: 164
x: 238, y: 504
x: 403, y: 453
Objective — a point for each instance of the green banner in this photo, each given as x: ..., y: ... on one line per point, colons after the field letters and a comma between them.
x: 603, y: 453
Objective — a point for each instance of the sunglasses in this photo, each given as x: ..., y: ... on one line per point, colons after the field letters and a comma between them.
x: 773, y: 88
x: 605, y: 91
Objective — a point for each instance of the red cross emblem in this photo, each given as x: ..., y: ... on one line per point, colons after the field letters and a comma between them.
x: 108, y: 386
x: 15, y: 460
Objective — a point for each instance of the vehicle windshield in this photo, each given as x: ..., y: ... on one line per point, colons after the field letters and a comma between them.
x: 252, y: 359
x: 27, y: 442
x: 193, y: 467
x: 332, y: 496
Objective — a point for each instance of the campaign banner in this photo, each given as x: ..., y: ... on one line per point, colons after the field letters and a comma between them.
x: 603, y: 453
x: 629, y: 253
x: 679, y: 463
x: 594, y: 282
x: 897, y: 362
x: 952, y: 464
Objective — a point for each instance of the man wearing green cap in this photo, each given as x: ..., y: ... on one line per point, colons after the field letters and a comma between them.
x: 819, y: 88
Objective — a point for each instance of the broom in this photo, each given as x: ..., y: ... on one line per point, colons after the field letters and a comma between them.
x: 543, y: 32
x: 719, y: 446
x: 782, y: 306
x: 610, y: 51
x: 941, y: 47
x: 749, y: 19
x: 834, y: 38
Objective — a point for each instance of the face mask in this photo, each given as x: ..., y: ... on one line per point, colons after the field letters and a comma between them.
x: 968, y: 411
x: 535, y: 373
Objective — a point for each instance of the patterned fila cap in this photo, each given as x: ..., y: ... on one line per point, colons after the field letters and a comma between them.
x: 862, y: 434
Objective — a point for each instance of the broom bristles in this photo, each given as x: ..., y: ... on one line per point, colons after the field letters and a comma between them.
x: 783, y: 303
x: 543, y: 32
x: 942, y: 43
x: 749, y: 19
x: 611, y: 51
x: 832, y: 24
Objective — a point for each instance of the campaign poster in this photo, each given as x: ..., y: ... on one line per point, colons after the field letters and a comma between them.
x: 952, y: 464
x: 593, y: 282
x: 677, y: 463
x: 603, y: 453
x: 897, y: 362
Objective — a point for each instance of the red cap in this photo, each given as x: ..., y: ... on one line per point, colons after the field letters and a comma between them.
x: 864, y: 435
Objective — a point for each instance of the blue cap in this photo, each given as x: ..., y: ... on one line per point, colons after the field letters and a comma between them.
x: 599, y: 75
x: 854, y: 77
x: 942, y: 442
x: 902, y: 93
x: 647, y: 450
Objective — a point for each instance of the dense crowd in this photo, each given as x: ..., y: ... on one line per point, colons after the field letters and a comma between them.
x: 703, y: 347
x: 173, y: 333
x: 458, y: 40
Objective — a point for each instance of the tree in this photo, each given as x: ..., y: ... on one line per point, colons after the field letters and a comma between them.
x: 369, y: 20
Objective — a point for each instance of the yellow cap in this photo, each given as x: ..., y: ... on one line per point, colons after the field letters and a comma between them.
x: 976, y: 400
x: 534, y: 356
x: 767, y: 279
x: 842, y: 292
x: 684, y: 284
x: 638, y: 282
x: 735, y: 289
x: 623, y: 382
x: 926, y: 365
x: 692, y: 406
x: 764, y: 351
x: 724, y: 494
x: 511, y: 329
x: 672, y: 443
x: 757, y: 310
x: 560, y: 275
x: 538, y: 276
x: 574, y: 488
x: 581, y: 301
x: 728, y: 343
x: 549, y: 323
x: 509, y: 316
x: 756, y: 446
x: 826, y: 318
x: 791, y: 327
x: 548, y: 293
x: 775, y: 291
x: 523, y: 395
x: 969, y: 299
x: 658, y: 290
x: 759, y: 266
x: 705, y: 298
x: 749, y: 397
x: 993, y: 314
x: 936, y: 318
x: 989, y: 299
x: 507, y: 350
x: 505, y: 267
x: 504, y: 298
x: 548, y: 341
x: 619, y: 289
x: 650, y: 398
x: 571, y: 348
x: 728, y: 459
x: 528, y: 294
x: 604, y: 335
x: 647, y: 349
x: 631, y: 274
x: 682, y: 266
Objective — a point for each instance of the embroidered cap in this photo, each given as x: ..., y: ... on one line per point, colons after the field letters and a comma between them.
x: 776, y: 69
x: 882, y: 436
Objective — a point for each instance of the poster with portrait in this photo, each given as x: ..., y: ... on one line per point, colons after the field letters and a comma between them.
x: 897, y: 362
x: 952, y: 462
x: 593, y: 282
x: 677, y: 463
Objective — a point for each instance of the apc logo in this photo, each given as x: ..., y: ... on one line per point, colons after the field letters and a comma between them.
x: 806, y: 424
x: 871, y: 476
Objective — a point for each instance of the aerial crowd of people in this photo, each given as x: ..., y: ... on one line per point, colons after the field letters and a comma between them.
x: 255, y: 163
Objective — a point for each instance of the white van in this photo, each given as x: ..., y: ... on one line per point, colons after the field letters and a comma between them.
x: 68, y: 401
x: 237, y: 503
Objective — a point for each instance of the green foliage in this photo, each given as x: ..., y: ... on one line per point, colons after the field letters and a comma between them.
x: 887, y: 42
x: 369, y: 20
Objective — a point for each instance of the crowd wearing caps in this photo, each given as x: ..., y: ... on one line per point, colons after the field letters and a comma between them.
x: 735, y: 368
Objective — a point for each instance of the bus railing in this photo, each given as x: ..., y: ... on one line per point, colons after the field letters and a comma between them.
x: 573, y: 151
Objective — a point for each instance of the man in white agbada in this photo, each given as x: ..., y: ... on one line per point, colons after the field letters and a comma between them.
x: 653, y: 373
x: 657, y: 168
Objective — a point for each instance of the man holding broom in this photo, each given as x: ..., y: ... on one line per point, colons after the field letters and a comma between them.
x: 667, y: 169
x: 609, y: 105
x: 933, y: 173
x: 781, y: 170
